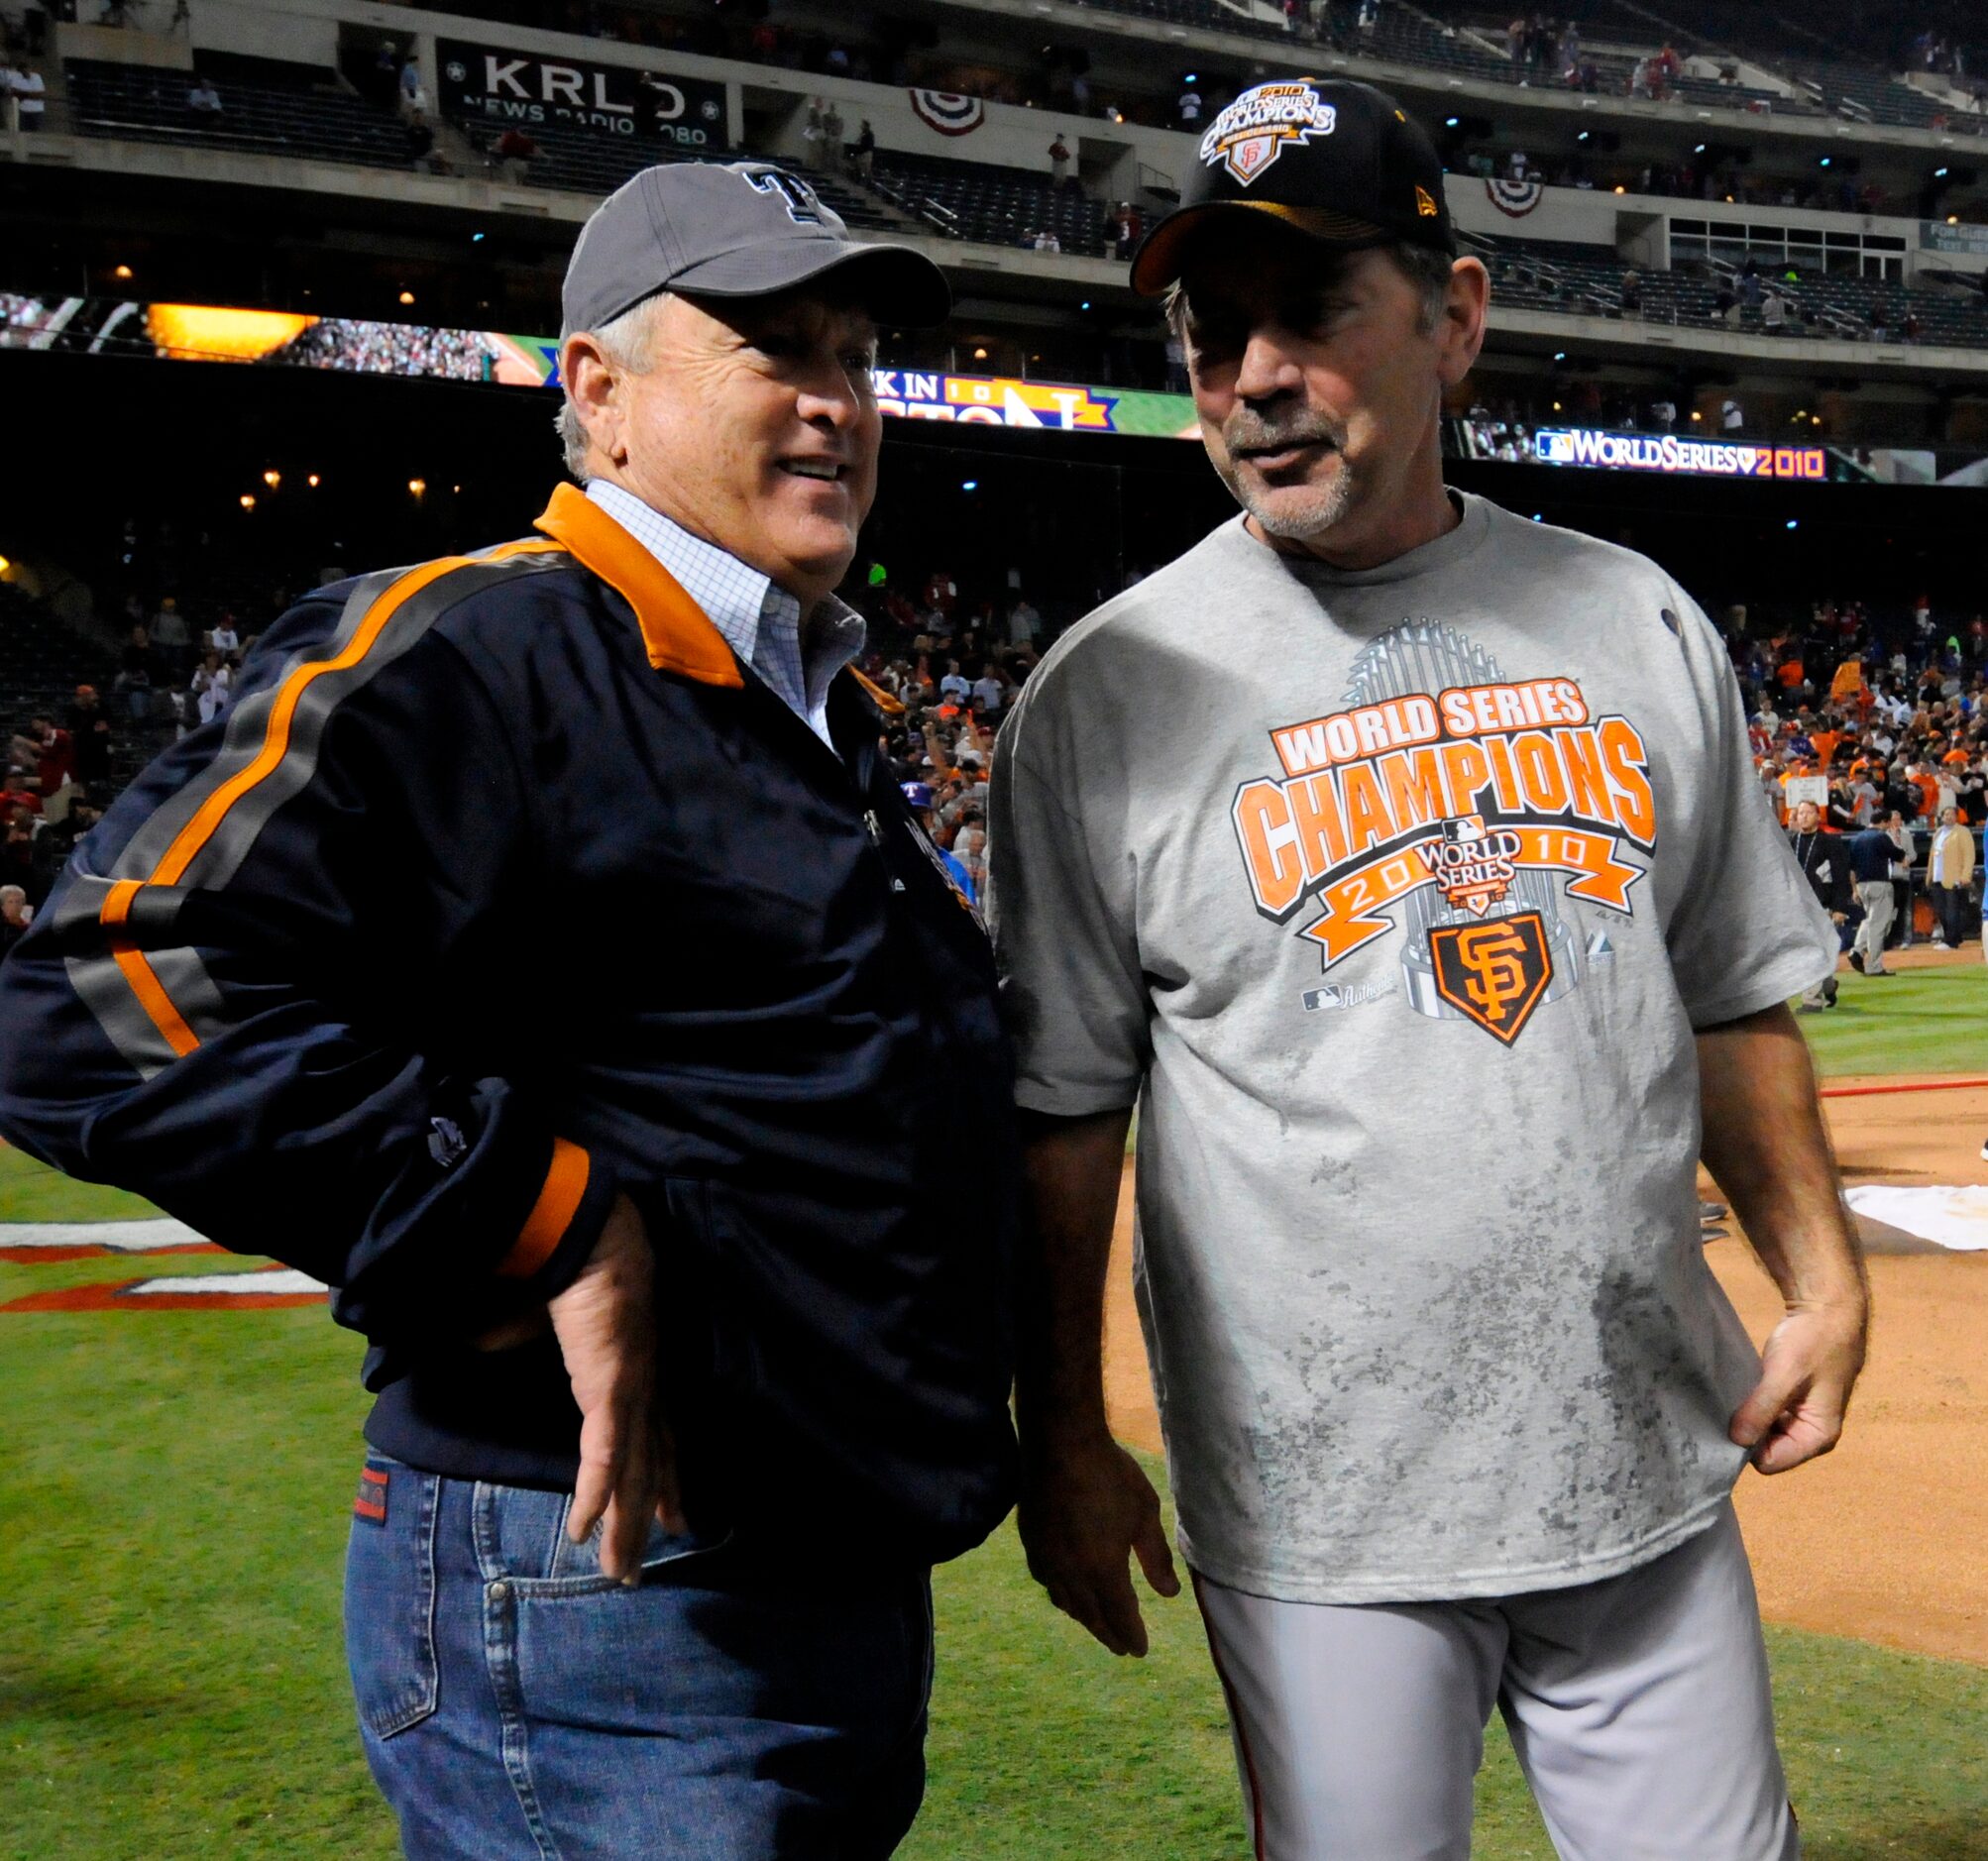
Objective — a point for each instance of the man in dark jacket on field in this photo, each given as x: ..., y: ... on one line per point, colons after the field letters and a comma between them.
x: 687, y: 1368
x: 1825, y: 864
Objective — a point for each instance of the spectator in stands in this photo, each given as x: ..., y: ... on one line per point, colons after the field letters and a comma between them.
x: 515, y: 152
x: 1046, y: 240
x: 16, y: 915
x: 833, y: 150
x: 865, y: 150
x: 211, y: 687
x: 1664, y: 415
x: 1188, y: 108
x: 1949, y: 871
x: 171, y: 638
x: 90, y: 727
x: 1630, y: 294
x: 1773, y: 311
x: 136, y: 669
x: 15, y: 794
x: 28, y: 92
x: 1060, y: 161
x: 990, y: 690
x: 203, y: 99
x: 413, y: 93
x: 1731, y: 417
x: 224, y: 639
x: 1025, y: 623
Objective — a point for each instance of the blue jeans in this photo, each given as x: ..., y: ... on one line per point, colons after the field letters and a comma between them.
x: 738, y: 1706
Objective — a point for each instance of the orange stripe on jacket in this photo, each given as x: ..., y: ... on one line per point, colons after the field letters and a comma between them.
x: 552, y: 1214
x: 195, y: 835
x: 138, y: 973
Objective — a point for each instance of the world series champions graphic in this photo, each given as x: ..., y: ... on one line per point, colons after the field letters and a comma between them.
x: 1470, y: 801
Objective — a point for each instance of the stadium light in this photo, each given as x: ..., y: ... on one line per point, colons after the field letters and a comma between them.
x: 1584, y: 133
x: 417, y: 487
x: 1560, y: 355
x: 406, y: 296
x: 969, y: 485
x: 1823, y: 162
x: 1954, y: 219
x: 312, y: 481
x: 1794, y: 523
x: 5, y: 565
x: 1940, y: 174
x: 476, y: 239
x: 1556, y: 406
x: 1085, y: 305
x: 248, y: 501
x: 1700, y: 150
x: 1815, y: 419
x: 124, y: 271
x: 1451, y: 122
x: 980, y: 355
x: 1695, y: 415
x: 272, y: 478
x: 1620, y: 189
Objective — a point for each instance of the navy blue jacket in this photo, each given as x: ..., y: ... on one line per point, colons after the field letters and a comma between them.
x: 502, y: 888
x: 1871, y: 855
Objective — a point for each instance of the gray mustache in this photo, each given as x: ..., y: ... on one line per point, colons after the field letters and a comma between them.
x: 1254, y: 436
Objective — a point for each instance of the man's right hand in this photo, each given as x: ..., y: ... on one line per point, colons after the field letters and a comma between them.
x: 1086, y: 1508
x: 606, y: 1332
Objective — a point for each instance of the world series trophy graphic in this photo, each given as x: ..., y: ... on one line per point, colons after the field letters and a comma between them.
x: 1477, y: 888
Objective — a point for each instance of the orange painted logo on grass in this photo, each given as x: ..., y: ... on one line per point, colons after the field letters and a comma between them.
x: 1494, y: 973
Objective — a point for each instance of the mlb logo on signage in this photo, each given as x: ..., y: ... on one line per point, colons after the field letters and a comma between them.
x: 1553, y: 448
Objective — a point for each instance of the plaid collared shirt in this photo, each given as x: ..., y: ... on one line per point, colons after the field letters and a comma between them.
x: 760, y: 623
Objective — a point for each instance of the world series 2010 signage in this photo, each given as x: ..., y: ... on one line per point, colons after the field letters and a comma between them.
x: 509, y: 88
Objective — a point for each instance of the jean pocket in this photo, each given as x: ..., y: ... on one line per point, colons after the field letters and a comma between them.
x: 389, y: 1596
x: 566, y: 1569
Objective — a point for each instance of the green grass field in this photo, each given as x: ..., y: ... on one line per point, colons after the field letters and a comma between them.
x: 1921, y: 1021
x: 174, y: 1488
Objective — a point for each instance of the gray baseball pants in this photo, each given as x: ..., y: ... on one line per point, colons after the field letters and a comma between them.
x: 1638, y: 1707
x: 1875, y: 895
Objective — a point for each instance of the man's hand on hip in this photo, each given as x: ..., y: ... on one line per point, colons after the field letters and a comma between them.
x: 605, y: 1327
x: 1086, y: 1508
x: 1808, y: 1370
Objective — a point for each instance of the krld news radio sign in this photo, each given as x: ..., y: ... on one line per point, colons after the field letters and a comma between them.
x: 1675, y: 454
x: 509, y: 88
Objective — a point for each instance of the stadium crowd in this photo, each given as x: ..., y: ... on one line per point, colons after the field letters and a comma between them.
x: 1881, y: 717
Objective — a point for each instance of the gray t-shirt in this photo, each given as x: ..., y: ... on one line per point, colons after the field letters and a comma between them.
x: 1393, y: 898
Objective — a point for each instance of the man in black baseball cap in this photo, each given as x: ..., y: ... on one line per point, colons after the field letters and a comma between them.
x: 1322, y: 198
x: 1435, y: 1442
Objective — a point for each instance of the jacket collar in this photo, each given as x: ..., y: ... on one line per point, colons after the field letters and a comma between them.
x: 675, y: 630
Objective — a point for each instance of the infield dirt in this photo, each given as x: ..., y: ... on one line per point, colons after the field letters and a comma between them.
x: 1887, y: 1538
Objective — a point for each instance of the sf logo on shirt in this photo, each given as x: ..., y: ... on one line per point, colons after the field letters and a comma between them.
x: 1494, y: 972
x: 1463, y: 808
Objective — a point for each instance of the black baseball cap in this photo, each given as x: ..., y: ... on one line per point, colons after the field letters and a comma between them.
x: 732, y: 229
x: 1338, y: 160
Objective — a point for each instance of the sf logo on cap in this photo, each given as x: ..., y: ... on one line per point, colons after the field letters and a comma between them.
x: 802, y: 204
x: 1251, y: 132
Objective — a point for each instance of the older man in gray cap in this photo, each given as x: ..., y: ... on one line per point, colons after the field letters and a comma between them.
x: 686, y: 1369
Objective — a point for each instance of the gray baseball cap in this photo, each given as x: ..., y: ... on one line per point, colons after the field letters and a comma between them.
x: 740, y: 229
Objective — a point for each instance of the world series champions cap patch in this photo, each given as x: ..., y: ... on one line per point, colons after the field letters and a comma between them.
x: 1250, y: 133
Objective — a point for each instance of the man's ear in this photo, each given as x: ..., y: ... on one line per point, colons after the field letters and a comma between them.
x: 595, y: 390
x: 1465, y: 310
